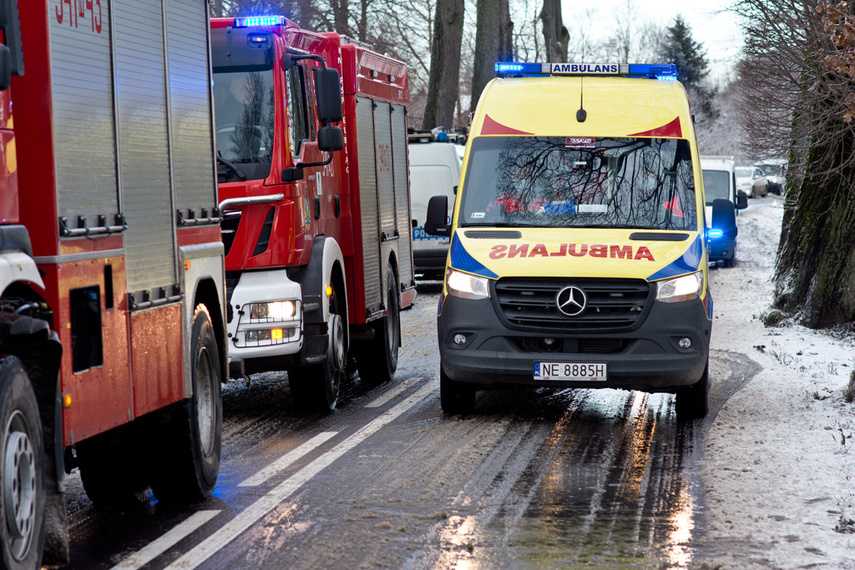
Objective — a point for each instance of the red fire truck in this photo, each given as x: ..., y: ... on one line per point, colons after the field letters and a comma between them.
x: 112, y: 315
x: 316, y: 216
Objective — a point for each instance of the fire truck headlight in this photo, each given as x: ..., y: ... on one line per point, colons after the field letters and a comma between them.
x: 683, y: 288
x: 275, y: 311
x: 467, y: 286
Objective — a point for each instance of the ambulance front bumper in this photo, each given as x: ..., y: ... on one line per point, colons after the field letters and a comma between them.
x: 667, y: 350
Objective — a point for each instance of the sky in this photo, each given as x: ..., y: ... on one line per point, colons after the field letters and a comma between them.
x: 717, y: 29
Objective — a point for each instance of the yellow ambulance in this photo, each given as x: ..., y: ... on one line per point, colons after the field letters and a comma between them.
x: 579, y: 254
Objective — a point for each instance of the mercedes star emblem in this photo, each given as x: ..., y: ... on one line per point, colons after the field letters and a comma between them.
x: 571, y: 301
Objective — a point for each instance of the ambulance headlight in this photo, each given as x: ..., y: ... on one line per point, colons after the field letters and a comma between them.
x: 467, y: 286
x: 685, y: 288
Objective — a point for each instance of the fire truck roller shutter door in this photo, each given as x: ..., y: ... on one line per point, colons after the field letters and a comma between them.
x: 370, y: 221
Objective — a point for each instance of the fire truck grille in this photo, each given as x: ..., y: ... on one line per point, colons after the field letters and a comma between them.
x: 229, y: 226
x: 610, y: 303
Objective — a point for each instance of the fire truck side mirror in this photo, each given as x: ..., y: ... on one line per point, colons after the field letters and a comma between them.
x: 328, y: 95
x: 330, y: 138
x: 5, y: 68
x: 437, y: 215
x: 292, y: 174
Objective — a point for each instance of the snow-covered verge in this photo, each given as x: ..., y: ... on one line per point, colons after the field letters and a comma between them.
x: 779, y: 464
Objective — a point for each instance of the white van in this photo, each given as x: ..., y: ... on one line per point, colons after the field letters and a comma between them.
x: 434, y: 170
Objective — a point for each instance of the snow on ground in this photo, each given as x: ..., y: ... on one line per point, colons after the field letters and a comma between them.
x: 779, y: 464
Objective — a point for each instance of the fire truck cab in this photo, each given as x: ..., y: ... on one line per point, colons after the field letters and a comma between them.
x: 313, y: 179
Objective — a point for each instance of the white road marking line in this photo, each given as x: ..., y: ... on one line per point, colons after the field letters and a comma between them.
x: 287, y: 459
x: 392, y: 393
x: 154, y: 549
x: 273, y: 498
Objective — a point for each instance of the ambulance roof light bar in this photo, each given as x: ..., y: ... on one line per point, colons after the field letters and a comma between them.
x: 663, y: 72
x: 259, y: 21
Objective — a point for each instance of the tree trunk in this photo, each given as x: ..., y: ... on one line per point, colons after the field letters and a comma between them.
x: 815, y: 273
x: 493, y: 43
x: 555, y: 35
x: 444, y: 83
x: 341, y: 14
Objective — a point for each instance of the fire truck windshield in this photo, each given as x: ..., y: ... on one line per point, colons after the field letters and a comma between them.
x: 579, y: 182
x: 243, y: 100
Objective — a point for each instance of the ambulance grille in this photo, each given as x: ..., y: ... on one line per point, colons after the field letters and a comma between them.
x: 611, y: 303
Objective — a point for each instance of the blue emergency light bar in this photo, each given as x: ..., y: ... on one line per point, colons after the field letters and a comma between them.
x: 715, y: 233
x: 259, y: 21
x: 663, y: 72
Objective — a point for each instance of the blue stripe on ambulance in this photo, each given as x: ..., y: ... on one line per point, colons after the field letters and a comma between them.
x: 460, y: 259
x: 689, y: 262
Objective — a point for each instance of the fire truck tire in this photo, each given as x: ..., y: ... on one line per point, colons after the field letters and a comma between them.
x: 379, y: 359
x: 455, y: 397
x: 317, y: 387
x: 23, y: 471
x: 693, y: 402
x: 193, y: 438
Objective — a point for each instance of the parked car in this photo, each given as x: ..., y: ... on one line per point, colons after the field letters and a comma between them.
x: 775, y: 171
x: 752, y: 181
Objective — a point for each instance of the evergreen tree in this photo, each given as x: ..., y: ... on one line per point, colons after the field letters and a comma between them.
x: 690, y: 57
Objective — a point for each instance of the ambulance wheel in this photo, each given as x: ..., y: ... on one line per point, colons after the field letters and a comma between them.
x: 455, y: 397
x: 693, y: 402
x: 23, y: 470
x: 193, y: 438
x: 317, y: 387
x: 378, y: 362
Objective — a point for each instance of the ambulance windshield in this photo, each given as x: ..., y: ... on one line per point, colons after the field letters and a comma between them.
x: 243, y: 100
x: 579, y: 182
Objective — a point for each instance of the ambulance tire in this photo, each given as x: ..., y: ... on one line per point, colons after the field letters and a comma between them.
x: 378, y: 359
x: 193, y: 438
x: 693, y: 402
x: 455, y: 397
x: 316, y: 387
x: 22, y: 531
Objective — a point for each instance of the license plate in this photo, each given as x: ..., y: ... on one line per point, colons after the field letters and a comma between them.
x: 574, y: 371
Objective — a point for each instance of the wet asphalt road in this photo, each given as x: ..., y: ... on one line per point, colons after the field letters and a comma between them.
x: 534, y: 479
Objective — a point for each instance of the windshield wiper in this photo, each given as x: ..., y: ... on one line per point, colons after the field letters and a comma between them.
x: 500, y: 225
x: 616, y: 227
x: 238, y: 172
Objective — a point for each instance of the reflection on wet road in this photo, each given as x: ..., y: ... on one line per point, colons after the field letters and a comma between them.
x: 534, y: 479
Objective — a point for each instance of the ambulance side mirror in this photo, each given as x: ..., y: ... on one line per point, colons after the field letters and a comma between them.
x: 741, y: 200
x: 437, y: 215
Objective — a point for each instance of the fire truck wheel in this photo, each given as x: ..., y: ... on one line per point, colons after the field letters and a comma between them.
x: 693, y: 402
x: 317, y: 387
x: 379, y: 359
x: 23, y: 470
x: 194, y: 436
x: 455, y: 397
